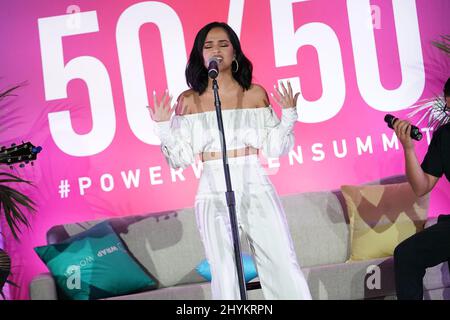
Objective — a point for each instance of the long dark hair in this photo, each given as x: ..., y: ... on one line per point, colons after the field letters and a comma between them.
x: 196, y: 72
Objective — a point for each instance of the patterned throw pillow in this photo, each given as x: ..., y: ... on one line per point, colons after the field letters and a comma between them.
x: 382, y: 216
x: 94, y: 264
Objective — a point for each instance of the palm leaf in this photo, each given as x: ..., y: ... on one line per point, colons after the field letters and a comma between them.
x: 13, y: 178
x: 7, y: 92
x: 433, y: 109
x: 12, y: 202
x: 5, y: 270
x: 443, y: 44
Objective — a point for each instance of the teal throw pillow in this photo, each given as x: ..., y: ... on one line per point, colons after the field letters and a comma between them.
x: 94, y: 264
x: 250, y: 272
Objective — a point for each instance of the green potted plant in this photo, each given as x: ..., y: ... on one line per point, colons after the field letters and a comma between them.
x: 13, y: 205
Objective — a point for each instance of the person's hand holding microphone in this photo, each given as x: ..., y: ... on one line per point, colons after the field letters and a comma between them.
x: 404, y: 130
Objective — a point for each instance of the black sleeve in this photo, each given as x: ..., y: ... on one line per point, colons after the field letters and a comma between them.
x: 433, y: 161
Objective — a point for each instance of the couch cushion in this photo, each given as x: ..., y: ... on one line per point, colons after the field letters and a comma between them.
x: 382, y: 216
x: 197, y: 291
x: 90, y: 265
x: 359, y: 279
x: 248, y: 264
x: 318, y: 227
x: 354, y: 280
x: 437, y: 294
x: 43, y: 287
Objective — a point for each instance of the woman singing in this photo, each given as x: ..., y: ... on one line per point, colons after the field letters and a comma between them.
x: 251, y: 127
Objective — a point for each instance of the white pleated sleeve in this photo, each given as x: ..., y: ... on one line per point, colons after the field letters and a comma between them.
x: 176, y: 141
x: 278, y: 136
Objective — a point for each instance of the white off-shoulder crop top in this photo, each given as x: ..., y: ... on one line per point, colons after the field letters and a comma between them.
x: 184, y: 136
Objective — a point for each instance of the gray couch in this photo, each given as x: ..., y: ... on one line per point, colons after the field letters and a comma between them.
x: 169, y: 247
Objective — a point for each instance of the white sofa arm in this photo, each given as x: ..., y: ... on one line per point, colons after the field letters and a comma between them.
x: 43, y: 287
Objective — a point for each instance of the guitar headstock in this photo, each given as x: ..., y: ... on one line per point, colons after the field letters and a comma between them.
x: 23, y: 154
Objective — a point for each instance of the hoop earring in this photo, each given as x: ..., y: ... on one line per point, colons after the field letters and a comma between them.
x: 237, y: 66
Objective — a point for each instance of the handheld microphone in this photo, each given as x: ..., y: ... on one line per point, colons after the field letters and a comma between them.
x: 415, y: 132
x: 213, y: 67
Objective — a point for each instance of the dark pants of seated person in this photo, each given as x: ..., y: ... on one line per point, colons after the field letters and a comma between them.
x: 420, y: 251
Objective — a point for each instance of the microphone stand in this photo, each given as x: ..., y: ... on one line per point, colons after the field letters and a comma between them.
x: 230, y: 195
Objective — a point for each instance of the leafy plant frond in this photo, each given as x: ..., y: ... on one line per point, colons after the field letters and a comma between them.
x: 434, y: 110
x: 13, y: 203
x: 5, y: 270
x: 13, y: 178
x: 443, y: 44
x: 10, y: 203
x: 7, y: 92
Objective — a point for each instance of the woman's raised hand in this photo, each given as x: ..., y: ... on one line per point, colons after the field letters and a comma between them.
x: 286, y: 98
x: 163, y: 108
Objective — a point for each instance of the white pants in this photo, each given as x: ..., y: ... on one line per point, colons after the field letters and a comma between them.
x: 261, y: 217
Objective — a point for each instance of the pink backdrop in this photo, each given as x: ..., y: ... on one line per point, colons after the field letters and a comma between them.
x: 356, y: 61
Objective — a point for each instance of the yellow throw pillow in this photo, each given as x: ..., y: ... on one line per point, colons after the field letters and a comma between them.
x: 382, y: 216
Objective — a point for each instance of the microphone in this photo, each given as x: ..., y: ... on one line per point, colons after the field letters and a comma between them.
x: 415, y: 132
x: 213, y: 67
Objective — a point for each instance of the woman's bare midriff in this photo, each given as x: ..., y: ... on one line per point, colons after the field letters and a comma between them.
x: 205, y: 156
